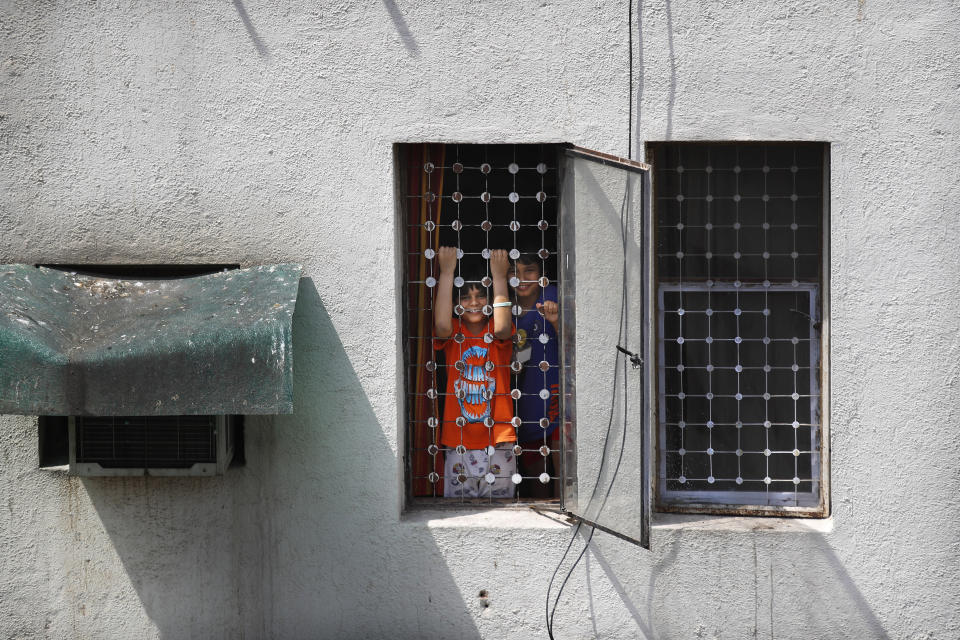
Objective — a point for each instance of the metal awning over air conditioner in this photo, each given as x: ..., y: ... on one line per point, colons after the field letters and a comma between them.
x: 74, y: 344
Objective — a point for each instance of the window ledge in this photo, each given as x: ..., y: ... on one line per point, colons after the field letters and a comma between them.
x: 59, y: 468
x: 668, y: 521
x: 500, y: 518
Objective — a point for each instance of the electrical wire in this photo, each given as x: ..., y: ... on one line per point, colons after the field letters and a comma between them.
x: 623, y: 330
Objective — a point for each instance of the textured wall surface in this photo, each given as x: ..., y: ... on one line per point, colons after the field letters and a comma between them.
x: 260, y: 131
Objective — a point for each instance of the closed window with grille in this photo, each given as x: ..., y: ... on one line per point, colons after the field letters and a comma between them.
x: 740, y: 265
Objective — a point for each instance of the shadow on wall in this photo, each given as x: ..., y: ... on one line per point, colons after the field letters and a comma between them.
x: 637, y: 142
x: 403, y: 30
x: 764, y: 584
x: 301, y: 542
x: 258, y: 43
x: 672, y: 99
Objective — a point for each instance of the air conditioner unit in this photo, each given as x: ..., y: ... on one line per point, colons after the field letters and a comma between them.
x: 151, y: 445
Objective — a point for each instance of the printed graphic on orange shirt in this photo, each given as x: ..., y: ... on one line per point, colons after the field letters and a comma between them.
x: 475, y: 387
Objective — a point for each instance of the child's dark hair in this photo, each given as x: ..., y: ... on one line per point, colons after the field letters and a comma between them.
x: 472, y: 278
x: 529, y: 258
x: 529, y: 254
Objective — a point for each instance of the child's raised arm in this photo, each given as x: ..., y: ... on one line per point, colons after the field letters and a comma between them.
x: 443, y: 308
x: 499, y: 265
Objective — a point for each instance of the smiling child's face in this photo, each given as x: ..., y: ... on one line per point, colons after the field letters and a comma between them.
x: 528, y: 290
x: 472, y: 300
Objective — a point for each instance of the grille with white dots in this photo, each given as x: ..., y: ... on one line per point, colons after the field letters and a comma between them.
x: 738, y: 267
x: 479, y: 198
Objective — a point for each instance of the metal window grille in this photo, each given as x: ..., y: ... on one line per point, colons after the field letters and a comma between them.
x: 478, y: 198
x: 739, y: 271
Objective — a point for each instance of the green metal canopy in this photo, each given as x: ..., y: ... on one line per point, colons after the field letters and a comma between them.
x: 74, y: 344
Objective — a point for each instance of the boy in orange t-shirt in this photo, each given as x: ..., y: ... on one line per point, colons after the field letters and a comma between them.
x: 477, y: 430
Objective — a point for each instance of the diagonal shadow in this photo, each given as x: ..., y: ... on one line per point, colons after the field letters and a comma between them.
x: 251, y: 30
x: 291, y: 545
x: 637, y: 134
x: 642, y: 625
x: 409, y: 43
x: 809, y: 586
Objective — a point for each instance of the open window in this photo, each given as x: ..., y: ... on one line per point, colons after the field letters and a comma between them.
x: 572, y: 222
x: 478, y: 199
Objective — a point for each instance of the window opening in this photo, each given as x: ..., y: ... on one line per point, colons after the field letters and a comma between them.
x: 53, y: 439
x: 479, y: 199
x: 739, y: 270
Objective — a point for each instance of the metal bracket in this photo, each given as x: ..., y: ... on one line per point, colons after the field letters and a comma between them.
x: 635, y: 359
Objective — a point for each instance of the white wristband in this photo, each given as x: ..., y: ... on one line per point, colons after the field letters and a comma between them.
x: 502, y: 304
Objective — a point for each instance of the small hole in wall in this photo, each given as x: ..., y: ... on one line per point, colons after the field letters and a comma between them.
x: 483, y: 593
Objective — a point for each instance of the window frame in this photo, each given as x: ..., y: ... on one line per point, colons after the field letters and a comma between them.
x: 651, y: 351
x: 780, y: 499
x: 410, y: 500
x: 654, y: 330
x: 566, y: 154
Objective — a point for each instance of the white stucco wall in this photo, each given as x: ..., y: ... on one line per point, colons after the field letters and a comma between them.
x: 260, y: 131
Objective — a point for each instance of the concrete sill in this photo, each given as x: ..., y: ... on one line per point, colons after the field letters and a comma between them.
x: 669, y: 521
x: 526, y: 518
x: 501, y: 518
x: 60, y: 468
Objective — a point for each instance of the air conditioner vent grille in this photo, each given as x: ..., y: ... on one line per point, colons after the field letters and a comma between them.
x: 146, y: 441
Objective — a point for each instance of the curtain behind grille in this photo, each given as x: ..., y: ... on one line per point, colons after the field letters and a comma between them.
x: 420, y: 306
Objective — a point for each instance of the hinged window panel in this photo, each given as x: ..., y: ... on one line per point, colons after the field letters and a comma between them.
x: 602, y: 258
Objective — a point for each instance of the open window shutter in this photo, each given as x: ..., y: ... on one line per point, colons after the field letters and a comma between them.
x: 605, y: 444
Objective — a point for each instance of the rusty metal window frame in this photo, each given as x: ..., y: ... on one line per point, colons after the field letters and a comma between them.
x: 667, y: 188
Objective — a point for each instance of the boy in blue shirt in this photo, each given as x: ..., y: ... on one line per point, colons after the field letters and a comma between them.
x: 537, y: 350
